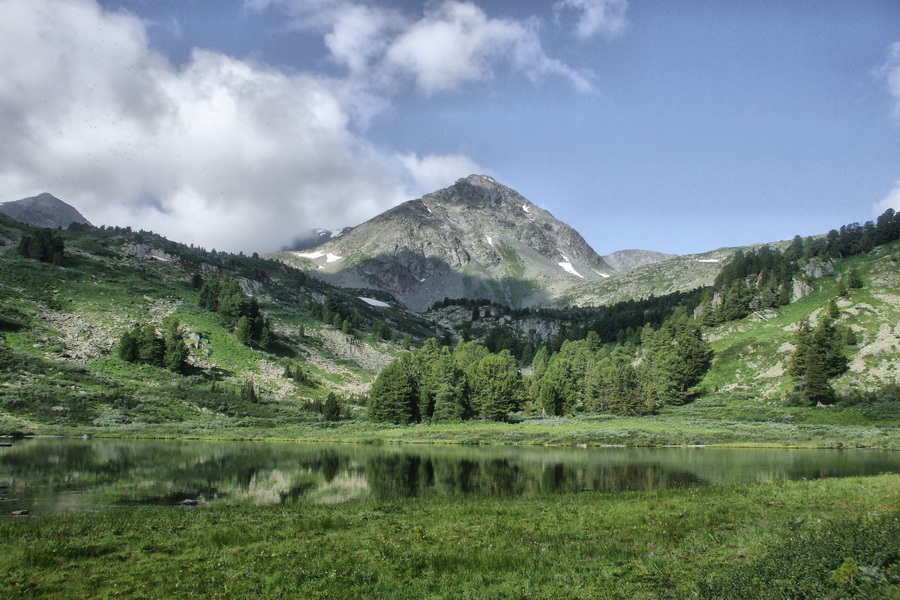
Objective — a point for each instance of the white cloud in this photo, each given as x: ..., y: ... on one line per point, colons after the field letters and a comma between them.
x: 433, y: 172
x: 220, y: 152
x: 604, y: 17
x: 890, y: 71
x: 453, y: 43
x: 892, y: 200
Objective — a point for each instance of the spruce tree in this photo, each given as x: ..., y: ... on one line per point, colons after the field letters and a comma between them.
x: 393, y: 397
x: 176, y: 351
x: 496, y: 387
x: 243, y: 332
x: 128, y: 348
x: 151, y: 349
x: 331, y: 409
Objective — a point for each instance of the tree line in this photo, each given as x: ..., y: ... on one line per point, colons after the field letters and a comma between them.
x: 437, y: 383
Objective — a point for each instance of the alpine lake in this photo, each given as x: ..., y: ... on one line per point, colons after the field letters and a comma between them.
x: 49, y: 475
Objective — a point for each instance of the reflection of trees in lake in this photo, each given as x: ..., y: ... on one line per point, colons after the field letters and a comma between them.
x: 413, y: 475
x: 72, y: 473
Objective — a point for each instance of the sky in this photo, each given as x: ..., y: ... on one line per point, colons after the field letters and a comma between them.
x: 672, y: 125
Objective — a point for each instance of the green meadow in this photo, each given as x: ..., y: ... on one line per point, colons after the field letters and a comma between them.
x: 830, y: 538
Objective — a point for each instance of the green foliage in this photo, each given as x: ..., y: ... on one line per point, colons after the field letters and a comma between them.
x: 249, y: 392
x: 843, y: 559
x: 141, y: 344
x: 817, y: 358
x: 331, y: 410
x: 243, y: 332
x: 225, y: 297
x: 176, y: 351
x: 45, y: 245
x: 496, y: 387
x: 394, y: 395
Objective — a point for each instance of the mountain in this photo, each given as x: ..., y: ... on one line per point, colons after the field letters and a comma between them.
x: 61, y: 326
x: 665, y: 276
x: 628, y: 260
x: 44, y: 210
x: 316, y: 237
x: 474, y: 239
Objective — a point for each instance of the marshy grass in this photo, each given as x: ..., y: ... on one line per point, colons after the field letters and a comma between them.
x: 665, y: 544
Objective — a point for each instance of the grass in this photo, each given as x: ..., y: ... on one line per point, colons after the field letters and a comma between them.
x: 672, y: 544
x: 694, y: 427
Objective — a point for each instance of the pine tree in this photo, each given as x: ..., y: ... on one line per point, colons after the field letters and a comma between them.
x: 496, y: 387
x: 818, y: 357
x: 243, y: 331
x: 331, y: 409
x: 448, y: 390
x: 176, y: 351
x: 128, y: 348
x: 249, y: 392
x: 814, y: 382
x: 151, y: 349
x: 393, y: 397
x: 558, y: 389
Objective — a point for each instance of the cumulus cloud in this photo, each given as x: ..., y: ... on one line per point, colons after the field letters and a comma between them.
x: 603, y: 17
x: 234, y: 154
x: 451, y: 44
x: 431, y: 172
x: 224, y: 153
x: 890, y: 71
x: 892, y: 200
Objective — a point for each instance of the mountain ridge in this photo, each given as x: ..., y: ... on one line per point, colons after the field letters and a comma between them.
x: 43, y: 210
x: 474, y: 239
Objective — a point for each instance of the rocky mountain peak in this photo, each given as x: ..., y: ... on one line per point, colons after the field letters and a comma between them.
x: 43, y: 210
x: 476, y: 238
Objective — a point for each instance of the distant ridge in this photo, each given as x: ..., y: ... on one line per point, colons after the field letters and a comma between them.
x: 628, y: 260
x: 43, y: 210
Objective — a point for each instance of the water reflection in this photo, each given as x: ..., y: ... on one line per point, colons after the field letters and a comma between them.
x: 51, y: 475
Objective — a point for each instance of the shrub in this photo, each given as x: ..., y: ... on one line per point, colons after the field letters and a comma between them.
x: 844, y: 559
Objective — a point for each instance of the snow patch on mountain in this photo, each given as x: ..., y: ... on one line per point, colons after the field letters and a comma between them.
x: 374, y: 302
x: 568, y: 268
x: 329, y: 258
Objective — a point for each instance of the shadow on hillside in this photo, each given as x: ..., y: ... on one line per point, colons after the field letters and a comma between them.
x: 419, y: 281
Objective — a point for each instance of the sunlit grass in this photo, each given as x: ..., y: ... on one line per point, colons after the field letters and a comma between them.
x: 632, y: 545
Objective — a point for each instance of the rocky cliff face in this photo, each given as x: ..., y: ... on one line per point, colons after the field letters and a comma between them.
x: 44, y: 210
x: 474, y: 239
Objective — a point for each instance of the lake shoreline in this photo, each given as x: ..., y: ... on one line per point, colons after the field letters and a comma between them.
x: 643, y: 432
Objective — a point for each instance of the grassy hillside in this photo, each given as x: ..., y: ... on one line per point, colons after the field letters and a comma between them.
x: 60, y: 372
x: 751, y: 354
x: 60, y: 325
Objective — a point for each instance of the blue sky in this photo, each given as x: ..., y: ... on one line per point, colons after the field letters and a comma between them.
x: 671, y: 125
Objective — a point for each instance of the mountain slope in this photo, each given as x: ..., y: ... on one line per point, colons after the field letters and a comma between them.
x: 628, y: 260
x: 474, y: 239
x: 44, y: 210
x: 60, y: 326
x: 673, y: 274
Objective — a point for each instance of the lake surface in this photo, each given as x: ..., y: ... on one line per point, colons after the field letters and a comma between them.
x: 46, y: 475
